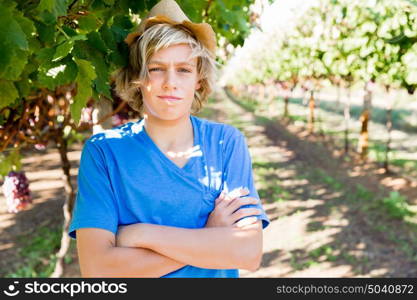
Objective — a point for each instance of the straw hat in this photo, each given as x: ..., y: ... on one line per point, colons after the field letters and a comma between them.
x: 168, y: 11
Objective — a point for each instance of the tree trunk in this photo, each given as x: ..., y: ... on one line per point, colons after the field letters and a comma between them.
x: 311, y: 105
x: 287, y: 94
x: 363, y: 144
x: 286, y: 100
x: 389, y: 130
x: 347, y: 120
x: 319, y: 119
x: 338, y: 96
x: 62, y: 145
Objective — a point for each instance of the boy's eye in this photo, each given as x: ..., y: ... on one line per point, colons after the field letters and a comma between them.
x: 183, y: 70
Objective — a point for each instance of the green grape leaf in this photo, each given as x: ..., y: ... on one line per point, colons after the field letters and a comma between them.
x: 86, y: 74
x: 190, y: 9
x: 11, y: 32
x: 57, y: 73
x: 8, y: 93
x: 85, y: 50
x: 63, y: 50
x: 101, y: 82
x: 137, y: 6
x: 108, y: 38
x: 47, y: 18
x: 24, y: 87
x: 5, y: 165
x: 15, y: 159
x: 88, y: 23
x: 46, y: 33
x: 79, y: 37
x: 45, y: 55
x: 27, y: 26
x: 109, y: 2
x: 56, y: 7
x: 16, y: 65
x: 95, y: 40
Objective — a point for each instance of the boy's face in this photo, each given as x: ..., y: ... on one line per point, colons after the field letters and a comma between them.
x: 171, y: 73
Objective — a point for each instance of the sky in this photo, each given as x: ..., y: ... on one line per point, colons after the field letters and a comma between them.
x: 281, y: 12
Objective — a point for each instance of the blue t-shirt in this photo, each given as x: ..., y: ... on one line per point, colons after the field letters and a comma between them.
x: 124, y: 178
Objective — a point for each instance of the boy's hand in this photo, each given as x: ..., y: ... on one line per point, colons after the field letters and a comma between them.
x: 227, y: 210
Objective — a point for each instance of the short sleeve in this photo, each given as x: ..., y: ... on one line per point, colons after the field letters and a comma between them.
x: 95, y: 205
x: 237, y: 169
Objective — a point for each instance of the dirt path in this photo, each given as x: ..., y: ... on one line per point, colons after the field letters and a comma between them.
x: 45, y: 176
x: 316, y: 230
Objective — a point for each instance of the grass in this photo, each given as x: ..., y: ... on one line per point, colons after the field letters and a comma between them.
x: 402, y: 117
x: 351, y: 259
x: 271, y: 190
x: 333, y: 125
x: 403, y: 244
x: 409, y: 166
x: 38, y: 253
x: 320, y: 176
x: 316, y: 226
x: 380, y: 209
x: 396, y: 205
x: 362, y: 196
x: 274, y: 193
x: 297, y: 265
x: 325, y: 251
x: 302, y: 119
x: 377, y: 151
x: 313, y: 257
x: 405, y: 163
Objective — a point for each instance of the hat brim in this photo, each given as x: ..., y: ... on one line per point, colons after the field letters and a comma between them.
x: 202, y: 31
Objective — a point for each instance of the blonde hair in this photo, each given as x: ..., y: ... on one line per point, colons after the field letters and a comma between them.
x: 140, y: 51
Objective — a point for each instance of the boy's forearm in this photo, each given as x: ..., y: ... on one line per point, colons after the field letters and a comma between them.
x: 133, y: 262
x: 212, y: 248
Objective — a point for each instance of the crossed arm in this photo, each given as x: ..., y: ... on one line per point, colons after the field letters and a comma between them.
x: 148, y: 250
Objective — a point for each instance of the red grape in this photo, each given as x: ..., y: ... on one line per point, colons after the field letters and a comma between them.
x: 16, y: 190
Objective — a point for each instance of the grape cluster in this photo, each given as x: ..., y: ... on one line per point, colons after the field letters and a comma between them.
x: 16, y: 190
